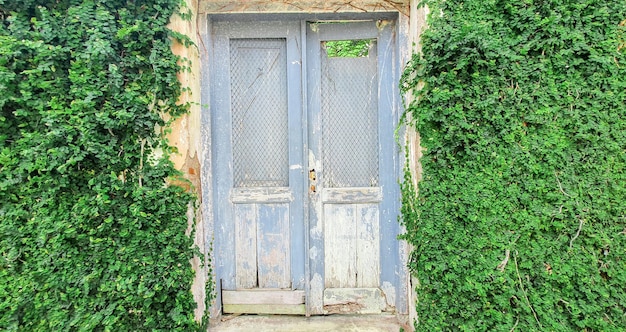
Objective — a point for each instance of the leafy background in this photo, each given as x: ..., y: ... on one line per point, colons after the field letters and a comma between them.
x: 519, y: 222
x: 92, y: 233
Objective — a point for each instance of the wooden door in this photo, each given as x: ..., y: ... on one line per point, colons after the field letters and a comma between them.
x: 305, y: 166
x: 352, y: 164
x: 257, y: 153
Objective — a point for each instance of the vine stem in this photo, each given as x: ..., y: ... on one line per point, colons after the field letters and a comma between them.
x: 143, y: 144
x: 502, y: 264
x: 519, y: 278
x: 580, y: 227
x: 514, y: 326
x: 560, y: 186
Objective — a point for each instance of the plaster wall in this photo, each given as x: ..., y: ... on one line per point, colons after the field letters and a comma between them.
x: 185, y: 136
x: 417, y: 25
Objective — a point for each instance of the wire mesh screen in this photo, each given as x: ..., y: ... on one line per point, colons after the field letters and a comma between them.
x: 349, y: 89
x: 258, y: 76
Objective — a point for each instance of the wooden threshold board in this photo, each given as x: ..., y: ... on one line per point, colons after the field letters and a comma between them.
x: 261, y: 301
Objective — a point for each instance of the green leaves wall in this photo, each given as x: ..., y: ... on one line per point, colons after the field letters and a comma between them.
x: 91, y: 235
x: 519, y: 223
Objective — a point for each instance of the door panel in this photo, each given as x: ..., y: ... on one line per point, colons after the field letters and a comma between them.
x: 245, y: 218
x: 274, y: 246
x: 351, y: 244
x: 262, y: 246
x: 258, y: 84
x: 257, y: 148
x: 349, y: 102
x: 260, y: 143
x: 349, y: 113
x: 349, y: 107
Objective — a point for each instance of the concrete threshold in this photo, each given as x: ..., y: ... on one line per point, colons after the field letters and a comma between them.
x: 285, y: 323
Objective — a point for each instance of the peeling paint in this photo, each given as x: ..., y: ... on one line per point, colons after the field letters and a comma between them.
x: 316, y: 227
x: 316, y: 230
x: 316, y: 296
x: 314, y: 163
x: 313, y: 253
x: 381, y: 24
x: 389, y: 293
x: 343, y: 308
x: 353, y: 300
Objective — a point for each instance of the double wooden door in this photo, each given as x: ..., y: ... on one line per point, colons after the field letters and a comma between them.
x: 305, y: 166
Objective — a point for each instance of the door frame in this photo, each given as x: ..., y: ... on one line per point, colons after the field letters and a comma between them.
x: 208, y: 176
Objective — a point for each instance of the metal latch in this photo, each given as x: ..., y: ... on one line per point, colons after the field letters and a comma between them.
x: 313, y: 179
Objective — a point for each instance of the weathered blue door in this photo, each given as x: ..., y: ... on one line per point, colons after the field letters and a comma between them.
x: 257, y: 151
x: 352, y: 201
x: 303, y: 117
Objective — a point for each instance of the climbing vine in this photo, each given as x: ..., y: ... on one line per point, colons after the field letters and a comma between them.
x: 92, y: 233
x: 519, y: 221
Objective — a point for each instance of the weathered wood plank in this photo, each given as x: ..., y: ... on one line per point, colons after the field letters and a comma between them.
x: 246, y: 216
x: 353, y: 301
x: 367, y: 245
x: 261, y: 195
x: 352, y: 195
x: 270, y: 309
x: 339, y: 245
x: 274, y: 259
x: 263, y: 296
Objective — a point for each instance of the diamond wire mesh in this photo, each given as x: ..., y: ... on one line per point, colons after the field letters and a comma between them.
x: 350, y: 120
x: 258, y: 74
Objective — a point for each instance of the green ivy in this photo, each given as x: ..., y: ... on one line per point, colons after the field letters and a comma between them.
x: 348, y: 48
x: 519, y: 222
x: 92, y: 237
